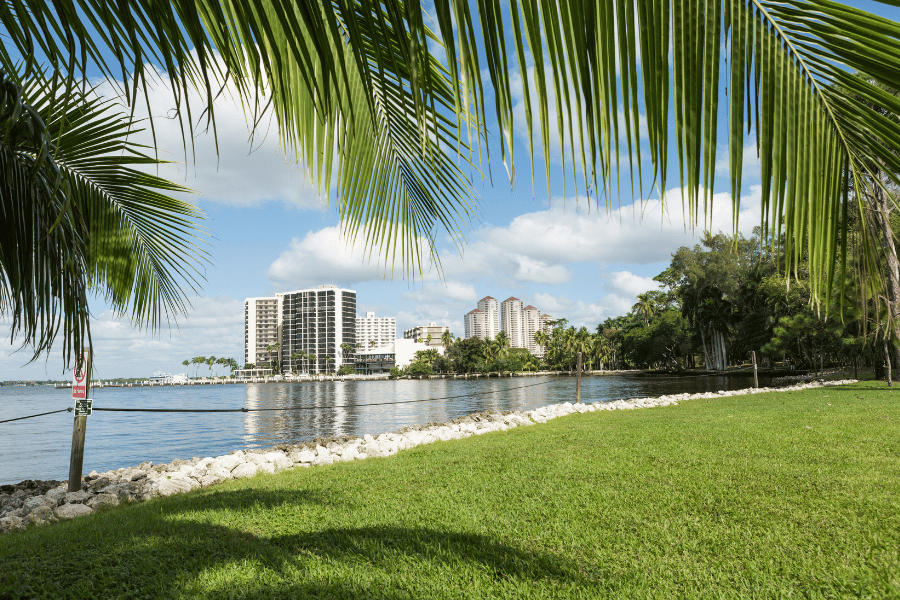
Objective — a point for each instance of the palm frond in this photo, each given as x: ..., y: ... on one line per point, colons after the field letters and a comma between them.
x: 81, y: 219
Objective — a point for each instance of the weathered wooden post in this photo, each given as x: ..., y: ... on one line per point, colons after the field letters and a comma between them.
x: 755, y: 377
x: 81, y: 388
x: 578, y: 378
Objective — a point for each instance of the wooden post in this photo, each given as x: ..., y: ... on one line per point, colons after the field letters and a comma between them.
x: 755, y: 376
x: 578, y: 380
x: 76, y: 459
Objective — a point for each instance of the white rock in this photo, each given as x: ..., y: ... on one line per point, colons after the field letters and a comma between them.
x: 323, y: 459
x: 208, y: 480
x: 103, y: 501
x: 228, y: 462
x: 257, y: 459
x: 217, y: 472
x: 304, y: 456
x: 58, y: 495
x: 36, y: 502
x: 322, y: 451
x: 70, y: 511
x: 280, y: 460
x: 175, y: 485
x: 267, y: 467
x: 247, y: 469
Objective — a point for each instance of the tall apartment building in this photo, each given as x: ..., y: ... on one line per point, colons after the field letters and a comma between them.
x: 491, y: 320
x: 511, y: 322
x: 381, y: 330
x: 310, y: 326
x: 315, y: 322
x: 423, y: 331
x: 531, y: 324
x: 474, y: 324
x: 260, y: 329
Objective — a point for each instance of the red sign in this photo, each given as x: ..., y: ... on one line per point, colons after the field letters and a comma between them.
x: 79, y: 386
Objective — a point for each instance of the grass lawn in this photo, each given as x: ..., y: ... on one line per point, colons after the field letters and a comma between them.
x: 772, y: 495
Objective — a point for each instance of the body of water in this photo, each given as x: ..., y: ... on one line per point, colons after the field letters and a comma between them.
x: 39, y: 448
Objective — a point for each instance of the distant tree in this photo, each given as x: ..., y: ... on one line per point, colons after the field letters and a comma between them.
x: 447, y: 340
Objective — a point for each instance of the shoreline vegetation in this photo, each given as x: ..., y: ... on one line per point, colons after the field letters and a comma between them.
x: 788, y: 492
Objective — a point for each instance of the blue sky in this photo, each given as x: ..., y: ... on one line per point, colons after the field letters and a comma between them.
x: 271, y: 232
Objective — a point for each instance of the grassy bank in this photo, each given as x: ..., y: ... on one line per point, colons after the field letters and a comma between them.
x: 784, y: 494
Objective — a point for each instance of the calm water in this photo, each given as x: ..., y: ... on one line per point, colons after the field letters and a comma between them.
x: 39, y: 448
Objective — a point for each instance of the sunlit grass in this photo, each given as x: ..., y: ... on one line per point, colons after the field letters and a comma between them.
x: 785, y: 494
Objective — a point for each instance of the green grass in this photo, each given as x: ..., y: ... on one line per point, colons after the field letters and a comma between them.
x: 774, y: 495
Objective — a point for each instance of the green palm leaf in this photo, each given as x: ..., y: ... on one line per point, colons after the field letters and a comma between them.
x: 80, y: 219
x: 356, y: 77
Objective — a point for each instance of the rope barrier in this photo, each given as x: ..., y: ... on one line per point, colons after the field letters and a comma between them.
x: 38, y: 415
x: 227, y: 410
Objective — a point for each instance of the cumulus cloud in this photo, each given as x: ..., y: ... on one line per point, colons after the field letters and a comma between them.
x: 578, y: 312
x: 327, y: 256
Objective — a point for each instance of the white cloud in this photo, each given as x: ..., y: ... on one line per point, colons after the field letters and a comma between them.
x: 578, y: 312
x: 436, y: 292
x: 326, y: 256
x: 750, y: 161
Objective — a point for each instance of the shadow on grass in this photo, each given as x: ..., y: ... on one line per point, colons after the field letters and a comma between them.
x: 179, y: 546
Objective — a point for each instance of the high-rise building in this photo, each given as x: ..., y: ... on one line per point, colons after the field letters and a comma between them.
x: 491, y: 328
x: 511, y: 322
x: 315, y: 323
x: 531, y: 324
x: 309, y: 325
x: 381, y: 330
x: 423, y: 331
x: 474, y: 324
x: 260, y: 330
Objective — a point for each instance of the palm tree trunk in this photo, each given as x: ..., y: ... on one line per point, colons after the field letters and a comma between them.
x: 882, y: 216
x: 705, y: 351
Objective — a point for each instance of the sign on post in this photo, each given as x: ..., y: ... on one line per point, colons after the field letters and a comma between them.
x: 79, y: 378
x: 81, y: 383
x: 83, y: 407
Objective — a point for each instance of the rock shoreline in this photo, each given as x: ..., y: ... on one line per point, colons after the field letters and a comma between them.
x: 41, y: 502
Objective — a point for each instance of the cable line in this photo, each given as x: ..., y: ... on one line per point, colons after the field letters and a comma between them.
x: 296, y: 408
x: 38, y: 415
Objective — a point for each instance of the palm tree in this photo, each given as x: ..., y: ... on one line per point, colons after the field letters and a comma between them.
x: 222, y: 361
x: 197, y: 361
x: 313, y: 365
x: 186, y: 363
x: 364, y: 74
x: 295, y: 357
x: 446, y: 340
x: 372, y: 343
x: 644, y: 308
x: 502, y: 341
x: 209, y: 363
x: 540, y: 338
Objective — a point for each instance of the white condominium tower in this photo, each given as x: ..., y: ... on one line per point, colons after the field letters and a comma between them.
x: 473, y: 324
x: 491, y: 326
x: 511, y: 322
x: 260, y: 329
x: 531, y: 324
x: 310, y: 326
x: 381, y: 330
